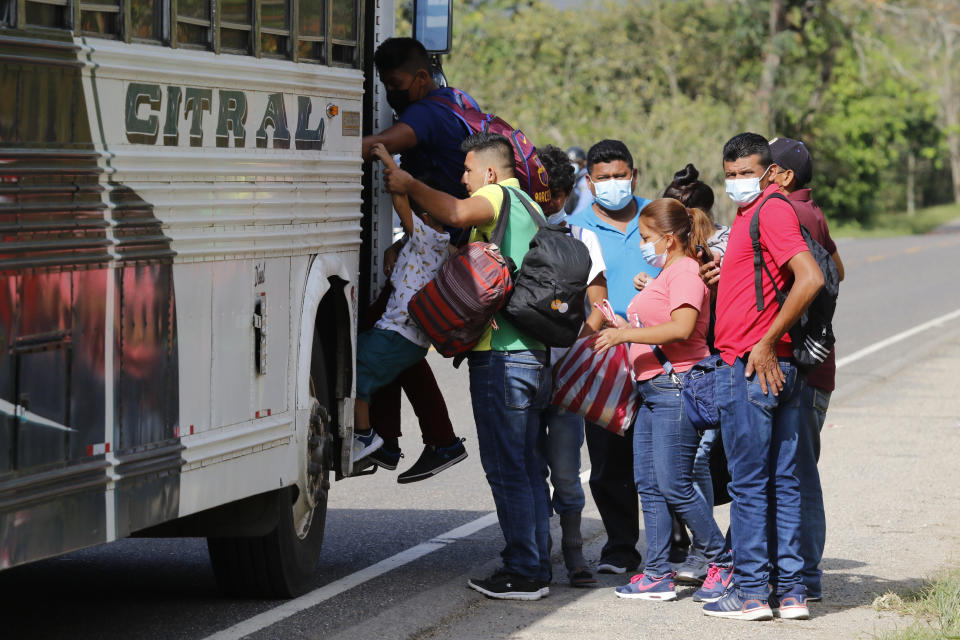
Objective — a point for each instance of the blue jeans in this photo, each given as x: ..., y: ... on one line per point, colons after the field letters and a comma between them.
x: 664, y: 447
x: 760, y: 439
x: 564, y: 438
x: 813, y: 404
x: 509, y: 391
x: 703, y: 481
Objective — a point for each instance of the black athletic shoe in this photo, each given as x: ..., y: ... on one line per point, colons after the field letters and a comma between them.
x: 510, y: 586
x: 616, y: 565
x: 432, y: 461
x: 386, y: 458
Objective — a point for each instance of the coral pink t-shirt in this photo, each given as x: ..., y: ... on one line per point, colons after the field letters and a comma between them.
x: 676, y: 286
x: 739, y: 325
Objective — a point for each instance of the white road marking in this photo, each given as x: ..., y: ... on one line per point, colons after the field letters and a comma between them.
x: 335, y: 588
x: 903, y: 335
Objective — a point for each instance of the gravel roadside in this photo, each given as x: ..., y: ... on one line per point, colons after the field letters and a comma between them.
x: 889, y: 471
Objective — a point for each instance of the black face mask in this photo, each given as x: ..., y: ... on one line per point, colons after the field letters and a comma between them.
x: 399, y: 99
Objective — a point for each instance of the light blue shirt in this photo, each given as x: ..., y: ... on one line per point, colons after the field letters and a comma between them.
x: 621, y: 253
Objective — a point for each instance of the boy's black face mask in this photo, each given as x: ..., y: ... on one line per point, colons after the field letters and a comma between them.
x: 399, y: 99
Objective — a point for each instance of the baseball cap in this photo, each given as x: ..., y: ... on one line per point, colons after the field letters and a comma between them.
x: 792, y: 154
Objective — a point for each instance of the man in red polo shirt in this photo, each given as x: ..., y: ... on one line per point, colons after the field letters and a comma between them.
x: 795, y: 172
x: 758, y: 387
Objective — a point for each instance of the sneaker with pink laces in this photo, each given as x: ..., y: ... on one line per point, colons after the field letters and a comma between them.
x: 649, y: 588
x: 716, y: 583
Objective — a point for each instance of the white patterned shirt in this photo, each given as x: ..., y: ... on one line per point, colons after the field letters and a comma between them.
x: 418, y: 263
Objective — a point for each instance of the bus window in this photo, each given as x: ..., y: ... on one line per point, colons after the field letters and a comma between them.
x: 274, y: 27
x: 193, y: 22
x: 145, y: 19
x: 8, y: 13
x: 46, y: 13
x: 310, y: 41
x: 343, y: 32
x: 235, y: 26
x: 101, y: 18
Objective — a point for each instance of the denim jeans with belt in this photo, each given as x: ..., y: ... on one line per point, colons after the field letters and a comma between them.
x: 510, y: 391
x: 564, y: 438
x: 664, y: 447
x: 813, y: 403
x: 760, y: 439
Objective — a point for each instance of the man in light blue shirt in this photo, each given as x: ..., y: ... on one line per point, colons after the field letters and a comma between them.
x: 611, y: 178
x: 612, y: 215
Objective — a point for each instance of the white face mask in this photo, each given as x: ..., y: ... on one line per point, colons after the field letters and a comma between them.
x: 743, y: 191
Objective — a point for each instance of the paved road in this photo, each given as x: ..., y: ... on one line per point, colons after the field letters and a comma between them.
x: 165, y: 588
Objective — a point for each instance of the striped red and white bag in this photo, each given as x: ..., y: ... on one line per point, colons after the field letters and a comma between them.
x: 599, y: 387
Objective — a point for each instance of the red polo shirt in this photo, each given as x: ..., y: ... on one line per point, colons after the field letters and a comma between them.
x: 824, y: 376
x: 739, y: 325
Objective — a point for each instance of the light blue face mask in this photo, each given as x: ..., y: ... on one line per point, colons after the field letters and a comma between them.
x: 614, y: 195
x: 649, y: 251
x: 743, y: 191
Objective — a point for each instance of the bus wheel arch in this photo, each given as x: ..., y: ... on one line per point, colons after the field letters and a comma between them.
x: 283, y: 562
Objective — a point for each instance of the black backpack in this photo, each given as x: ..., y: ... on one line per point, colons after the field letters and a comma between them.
x: 550, y: 286
x: 812, y: 335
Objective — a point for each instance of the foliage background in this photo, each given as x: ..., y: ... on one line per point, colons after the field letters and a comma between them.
x: 872, y: 87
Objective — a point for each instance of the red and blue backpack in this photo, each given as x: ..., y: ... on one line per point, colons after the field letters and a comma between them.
x: 530, y: 171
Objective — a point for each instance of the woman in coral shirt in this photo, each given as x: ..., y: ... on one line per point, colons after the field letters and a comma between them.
x: 672, y: 311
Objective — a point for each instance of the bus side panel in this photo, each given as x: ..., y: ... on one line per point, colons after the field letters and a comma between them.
x: 53, y: 293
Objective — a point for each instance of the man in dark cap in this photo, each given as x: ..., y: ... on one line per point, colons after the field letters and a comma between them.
x: 795, y: 171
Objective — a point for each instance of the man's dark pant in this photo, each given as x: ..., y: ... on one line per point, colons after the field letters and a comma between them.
x: 420, y: 385
x: 426, y: 399
x: 615, y: 493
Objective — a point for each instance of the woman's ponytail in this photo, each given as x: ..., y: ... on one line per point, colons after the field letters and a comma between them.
x: 701, y: 230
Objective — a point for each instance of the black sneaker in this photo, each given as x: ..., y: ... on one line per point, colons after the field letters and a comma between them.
x: 616, y: 565
x: 386, y: 458
x: 509, y: 586
x: 432, y: 461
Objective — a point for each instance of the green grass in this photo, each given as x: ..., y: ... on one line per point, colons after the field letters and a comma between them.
x: 898, y: 224
x: 935, y: 610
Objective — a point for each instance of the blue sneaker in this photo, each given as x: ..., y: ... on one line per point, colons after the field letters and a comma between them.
x: 732, y: 606
x: 365, y: 443
x: 715, y: 585
x: 792, y: 605
x: 647, y: 587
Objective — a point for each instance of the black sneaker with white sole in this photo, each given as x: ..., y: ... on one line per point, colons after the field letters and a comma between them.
x: 616, y: 565
x: 386, y: 458
x: 510, y: 586
x: 433, y: 460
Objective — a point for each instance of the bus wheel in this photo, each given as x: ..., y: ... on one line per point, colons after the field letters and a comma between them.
x: 282, y: 564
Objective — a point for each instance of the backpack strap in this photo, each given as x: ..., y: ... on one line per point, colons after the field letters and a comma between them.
x: 459, y: 107
x: 537, y: 218
x: 758, y: 261
x: 503, y: 218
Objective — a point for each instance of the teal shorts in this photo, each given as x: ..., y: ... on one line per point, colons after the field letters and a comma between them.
x: 382, y: 355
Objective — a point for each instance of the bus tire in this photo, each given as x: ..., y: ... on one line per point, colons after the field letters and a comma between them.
x: 281, y: 564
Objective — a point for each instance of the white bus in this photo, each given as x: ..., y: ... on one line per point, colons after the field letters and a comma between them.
x: 187, y: 235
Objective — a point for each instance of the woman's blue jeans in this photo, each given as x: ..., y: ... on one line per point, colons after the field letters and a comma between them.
x: 510, y: 391
x: 664, y: 447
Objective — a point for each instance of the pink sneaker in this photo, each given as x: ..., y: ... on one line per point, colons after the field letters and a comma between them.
x: 715, y: 585
x: 649, y: 588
